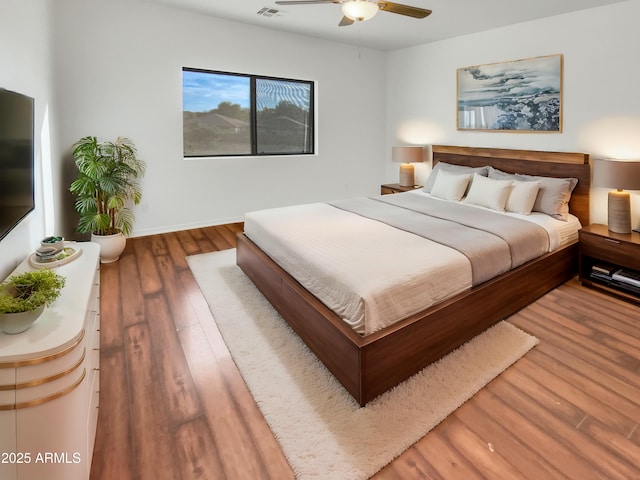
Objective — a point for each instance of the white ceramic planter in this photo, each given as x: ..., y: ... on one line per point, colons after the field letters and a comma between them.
x: 111, y: 246
x: 13, y: 323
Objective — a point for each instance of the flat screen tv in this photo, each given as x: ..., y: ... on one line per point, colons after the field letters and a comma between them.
x: 16, y: 159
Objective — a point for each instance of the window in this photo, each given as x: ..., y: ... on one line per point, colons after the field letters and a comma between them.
x: 233, y: 114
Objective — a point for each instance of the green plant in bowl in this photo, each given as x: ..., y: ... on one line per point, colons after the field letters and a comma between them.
x: 55, y: 241
x: 23, y: 297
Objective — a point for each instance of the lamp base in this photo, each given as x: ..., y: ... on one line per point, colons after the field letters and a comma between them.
x: 406, y: 175
x: 619, y: 213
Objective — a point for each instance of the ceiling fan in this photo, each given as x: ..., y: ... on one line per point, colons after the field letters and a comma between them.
x: 360, y: 10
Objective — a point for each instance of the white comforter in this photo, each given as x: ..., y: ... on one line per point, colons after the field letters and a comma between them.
x: 369, y: 273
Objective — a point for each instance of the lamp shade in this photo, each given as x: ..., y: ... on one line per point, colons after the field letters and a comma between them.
x: 359, y: 10
x: 618, y: 174
x: 407, y: 154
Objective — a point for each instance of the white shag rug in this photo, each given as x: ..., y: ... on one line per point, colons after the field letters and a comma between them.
x: 323, y: 432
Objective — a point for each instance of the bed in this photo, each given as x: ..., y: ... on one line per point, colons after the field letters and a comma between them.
x: 368, y: 365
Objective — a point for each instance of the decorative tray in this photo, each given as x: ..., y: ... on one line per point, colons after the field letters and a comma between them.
x: 66, y: 255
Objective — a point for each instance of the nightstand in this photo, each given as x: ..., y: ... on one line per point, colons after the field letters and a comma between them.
x: 610, y: 261
x: 389, y: 188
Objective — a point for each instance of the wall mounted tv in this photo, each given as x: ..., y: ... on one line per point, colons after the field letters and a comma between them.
x: 16, y: 159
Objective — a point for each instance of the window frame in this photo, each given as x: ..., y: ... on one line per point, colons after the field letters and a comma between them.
x: 253, y: 114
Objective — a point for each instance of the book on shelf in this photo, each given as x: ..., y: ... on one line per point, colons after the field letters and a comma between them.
x: 602, y: 272
x: 600, y: 276
x: 603, y: 269
x: 625, y: 286
x: 628, y: 277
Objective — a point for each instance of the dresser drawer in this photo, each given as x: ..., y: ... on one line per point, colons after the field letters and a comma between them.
x: 610, y: 250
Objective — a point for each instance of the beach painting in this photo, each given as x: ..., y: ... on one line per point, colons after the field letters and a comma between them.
x: 515, y: 96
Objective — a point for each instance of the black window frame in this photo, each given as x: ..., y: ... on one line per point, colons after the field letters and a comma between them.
x: 253, y: 113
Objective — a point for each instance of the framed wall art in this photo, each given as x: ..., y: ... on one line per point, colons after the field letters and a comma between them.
x: 516, y: 96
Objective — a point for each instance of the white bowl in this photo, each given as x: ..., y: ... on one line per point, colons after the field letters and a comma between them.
x: 55, y: 241
x: 13, y: 323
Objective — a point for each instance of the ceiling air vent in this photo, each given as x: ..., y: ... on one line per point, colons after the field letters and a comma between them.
x: 269, y: 12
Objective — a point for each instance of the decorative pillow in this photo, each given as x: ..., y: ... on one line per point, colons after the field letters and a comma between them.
x: 450, y: 186
x: 496, y: 174
x: 489, y: 193
x: 522, y: 197
x: 553, y: 196
x: 458, y: 169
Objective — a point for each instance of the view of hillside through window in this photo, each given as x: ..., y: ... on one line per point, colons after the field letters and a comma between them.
x: 233, y: 114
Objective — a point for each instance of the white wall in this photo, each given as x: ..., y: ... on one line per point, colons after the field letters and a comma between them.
x: 118, y: 71
x: 24, y: 68
x: 601, y: 114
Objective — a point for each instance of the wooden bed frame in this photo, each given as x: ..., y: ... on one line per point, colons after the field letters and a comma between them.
x: 369, y: 365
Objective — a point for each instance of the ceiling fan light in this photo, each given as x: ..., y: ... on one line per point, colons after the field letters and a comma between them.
x: 359, y: 10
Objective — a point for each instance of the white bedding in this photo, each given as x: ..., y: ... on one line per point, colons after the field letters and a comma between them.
x: 560, y: 232
x: 369, y: 273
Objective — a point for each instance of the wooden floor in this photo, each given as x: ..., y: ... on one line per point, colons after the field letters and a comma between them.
x: 173, y: 405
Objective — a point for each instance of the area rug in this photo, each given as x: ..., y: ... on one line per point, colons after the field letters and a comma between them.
x: 323, y: 432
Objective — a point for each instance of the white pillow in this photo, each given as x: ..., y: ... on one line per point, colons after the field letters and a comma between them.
x: 489, y: 193
x: 449, y: 167
x: 553, y: 196
x: 450, y: 186
x: 522, y: 197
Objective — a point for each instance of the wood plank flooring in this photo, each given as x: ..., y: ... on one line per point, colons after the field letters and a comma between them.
x: 173, y: 405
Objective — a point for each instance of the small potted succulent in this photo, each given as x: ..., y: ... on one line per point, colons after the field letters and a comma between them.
x: 23, y: 297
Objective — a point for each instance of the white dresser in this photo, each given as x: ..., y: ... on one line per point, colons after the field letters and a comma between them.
x: 49, y: 381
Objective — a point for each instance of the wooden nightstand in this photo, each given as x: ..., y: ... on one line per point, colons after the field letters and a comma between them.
x: 389, y: 188
x: 605, y: 255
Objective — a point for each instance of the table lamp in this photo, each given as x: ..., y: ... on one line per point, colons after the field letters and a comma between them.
x: 621, y: 175
x: 406, y: 155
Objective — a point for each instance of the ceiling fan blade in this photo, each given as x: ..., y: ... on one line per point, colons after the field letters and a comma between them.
x: 407, y: 10
x: 304, y: 2
x: 346, y: 21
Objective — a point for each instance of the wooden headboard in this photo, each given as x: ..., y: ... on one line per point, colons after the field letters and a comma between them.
x: 530, y: 162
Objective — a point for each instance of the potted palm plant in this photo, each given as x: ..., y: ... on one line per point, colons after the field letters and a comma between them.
x: 23, y: 297
x: 106, y: 186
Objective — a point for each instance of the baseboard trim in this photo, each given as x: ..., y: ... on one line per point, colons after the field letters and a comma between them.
x: 186, y: 226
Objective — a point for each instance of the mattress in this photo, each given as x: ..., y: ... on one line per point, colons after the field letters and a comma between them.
x: 371, y: 274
